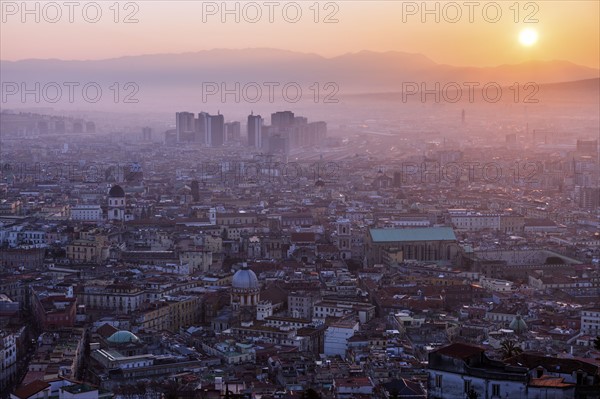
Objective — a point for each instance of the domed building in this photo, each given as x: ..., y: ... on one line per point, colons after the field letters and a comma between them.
x: 518, y: 325
x: 123, y: 337
x: 126, y: 343
x: 116, y: 203
x: 245, y: 289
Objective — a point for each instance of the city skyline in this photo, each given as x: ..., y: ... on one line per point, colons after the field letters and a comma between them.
x: 300, y: 199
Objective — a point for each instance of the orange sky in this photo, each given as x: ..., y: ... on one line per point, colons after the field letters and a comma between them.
x: 568, y: 30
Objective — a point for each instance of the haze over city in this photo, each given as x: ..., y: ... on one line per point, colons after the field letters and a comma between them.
x: 312, y: 199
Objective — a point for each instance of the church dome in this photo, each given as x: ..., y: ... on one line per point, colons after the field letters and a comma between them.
x: 518, y: 325
x: 245, y: 279
x: 123, y: 337
x: 116, y: 191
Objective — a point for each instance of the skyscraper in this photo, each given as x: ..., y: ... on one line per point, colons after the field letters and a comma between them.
x: 282, y: 120
x: 184, y: 126
x: 255, y: 134
x: 232, y: 131
x: 317, y: 132
x: 279, y: 144
x: 201, y: 127
x: 215, y: 130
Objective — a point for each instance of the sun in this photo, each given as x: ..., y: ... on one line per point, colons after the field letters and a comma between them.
x: 528, y: 37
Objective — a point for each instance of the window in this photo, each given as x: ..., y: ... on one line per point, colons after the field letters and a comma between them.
x: 495, y: 389
x: 438, y: 381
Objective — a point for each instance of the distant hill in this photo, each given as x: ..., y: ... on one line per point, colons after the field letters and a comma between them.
x: 586, y: 90
x: 179, y: 77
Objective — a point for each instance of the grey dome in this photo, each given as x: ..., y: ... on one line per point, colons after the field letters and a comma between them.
x: 116, y: 191
x: 518, y: 325
x: 245, y: 279
x: 123, y: 337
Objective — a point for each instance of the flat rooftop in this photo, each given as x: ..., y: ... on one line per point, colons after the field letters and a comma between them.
x: 413, y: 234
x: 78, y: 388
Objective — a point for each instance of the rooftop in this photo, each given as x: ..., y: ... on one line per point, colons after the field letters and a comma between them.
x: 413, y: 234
x: 78, y: 388
x: 550, y: 381
x: 460, y: 351
x: 31, y: 389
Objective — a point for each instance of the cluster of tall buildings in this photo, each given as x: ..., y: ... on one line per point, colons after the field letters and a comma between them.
x: 205, y: 128
x: 27, y: 124
x: 286, y: 131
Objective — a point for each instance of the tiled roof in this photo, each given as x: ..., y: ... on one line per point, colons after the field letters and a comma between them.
x: 549, y: 381
x: 106, y: 330
x: 31, y: 389
x: 303, y: 237
x: 460, y: 351
x: 552, y: 364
